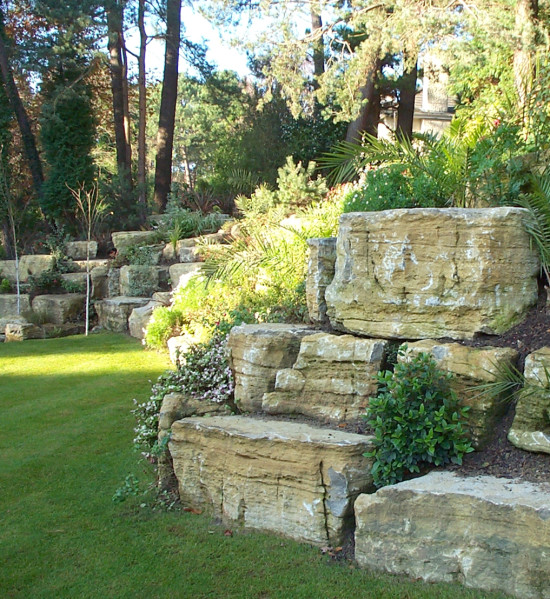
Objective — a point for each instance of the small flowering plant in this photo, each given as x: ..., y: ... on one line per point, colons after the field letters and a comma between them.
x: 202, y: 372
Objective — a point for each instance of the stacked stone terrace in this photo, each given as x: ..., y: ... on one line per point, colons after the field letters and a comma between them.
x: 431, y: 278
x: 123, y: 297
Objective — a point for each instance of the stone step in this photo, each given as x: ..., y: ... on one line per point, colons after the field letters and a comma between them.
x: 8, y: 304
x: 80, y: 265
x: 487, y: 533
x: 286, y: 477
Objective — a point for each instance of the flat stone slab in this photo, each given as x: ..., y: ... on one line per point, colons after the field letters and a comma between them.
x: 256, y: 353
x: 290, y: 478
x: 484, y: 532
x: 124, y: 239
x: 80, y: 265
x: 428, y: 273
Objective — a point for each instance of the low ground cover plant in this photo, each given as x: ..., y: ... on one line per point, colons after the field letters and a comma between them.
x: 416, y: 420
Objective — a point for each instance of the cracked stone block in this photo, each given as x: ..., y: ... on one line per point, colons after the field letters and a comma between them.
x: 8, y: 304
x: 428, y: 273
x: 331, y: 380
x: 20, y: 331
x: 484, y: 532
x: 113, y: 313
x: 256, y: 353
x: 531, y: 426
x: 285, y: 477
x: 59, y: 308
x: 320, y: 272
x: 472, y: 367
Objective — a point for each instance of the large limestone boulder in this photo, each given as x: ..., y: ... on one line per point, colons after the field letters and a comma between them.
x: 484, y: 532
x: 80, y: 250
x: 257, y: 353
x: 142, y: 280
x: 182, y: 273
x: 320, y: 272
x: 531, y: 427
x: 8, y: 304
x: 472, y: 367
x: 59, y: 309
x: 113, y: 313
x: 122, y: 240
x: 29, y: 265
x: 139, y: 319
x: 331, y: 380
x: 432, y: 273
x: 285, y: 477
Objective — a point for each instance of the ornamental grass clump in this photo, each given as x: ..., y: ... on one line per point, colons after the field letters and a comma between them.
x: 416, y: 420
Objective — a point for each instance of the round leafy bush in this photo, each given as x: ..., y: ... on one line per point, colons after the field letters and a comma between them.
x: 416, y: 420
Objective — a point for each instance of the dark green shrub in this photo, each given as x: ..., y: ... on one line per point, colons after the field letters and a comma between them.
x: 416, y: 421
x: 5, y: 286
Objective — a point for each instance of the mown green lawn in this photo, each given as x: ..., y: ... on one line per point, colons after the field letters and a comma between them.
x: 65, y: 447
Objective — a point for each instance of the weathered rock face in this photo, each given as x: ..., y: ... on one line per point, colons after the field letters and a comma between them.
x: 113, y: 313
x: 8, y: 304
x: 181, y: 274
x: 185, y: 251
x: 320, y: 272
x: 471, y: 367
x: 139, y: 319
x: 28, y: 265
x: 137, y: 281
x: 332, y: 379
x: 257, y: 353
x: 163, y: 297
x: 59, y: 309
x: 5, y: 321
x: 99, y: 282
x: 531, y: 427
x: 432, y: 273
x: 487, y: 533
x: 122, y: 240
x: 284, y: 477
x: 77, y: 249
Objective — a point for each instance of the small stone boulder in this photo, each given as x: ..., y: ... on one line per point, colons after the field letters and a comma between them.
x: 122, y: 240
x: 484, y: 532
x: 77, y: 250
x: 531, y: 426
x: 472, y: 367
x: 286, y: 477
x: 113, y: 313
x: 139, y: 318
x: 59, y: 309
x: 331, y: 380
x: 8, y: 304
x: 181, y: 274
x: 256, y: 353
x: 20, y: 331
x: 137, y: 281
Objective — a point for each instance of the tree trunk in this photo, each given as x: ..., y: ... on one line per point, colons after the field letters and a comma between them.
x: 27, y: 136
x: 142, y: 111
x: 318, y: 46
x: 119, y: 87
x: 167, y: 114
x: 369, y: 117
x: 526, y: 24
x: 407, y: 95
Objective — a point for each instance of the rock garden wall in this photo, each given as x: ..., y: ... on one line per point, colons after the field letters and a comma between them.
x: 291, y: 463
